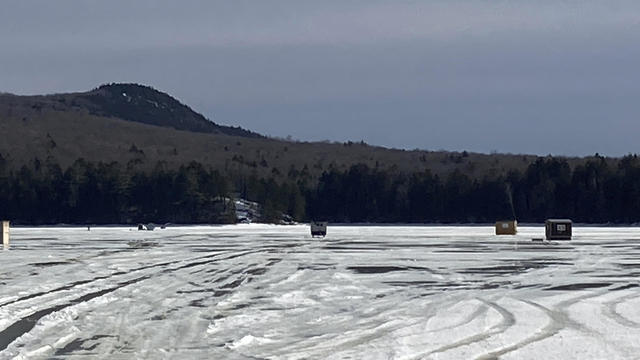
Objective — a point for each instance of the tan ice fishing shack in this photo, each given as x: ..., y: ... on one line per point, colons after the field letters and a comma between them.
x: 5, y: 233
x: 507, y: 227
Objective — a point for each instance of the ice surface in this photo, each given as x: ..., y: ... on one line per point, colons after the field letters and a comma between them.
x: 265, y: 291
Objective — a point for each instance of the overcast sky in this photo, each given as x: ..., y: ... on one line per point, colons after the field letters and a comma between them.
x: 544, y: 77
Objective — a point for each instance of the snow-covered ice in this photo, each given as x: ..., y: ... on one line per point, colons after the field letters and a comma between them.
x: 266, y: 291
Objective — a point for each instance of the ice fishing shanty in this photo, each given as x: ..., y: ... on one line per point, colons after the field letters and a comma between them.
x: 506, y: 227
x: 558, y: 229
x: 318, y: 228
x: 5, y: 233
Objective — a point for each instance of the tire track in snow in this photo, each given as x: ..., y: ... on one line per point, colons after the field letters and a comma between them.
x: 232, y: 276
x: 476, y: 313
x: 508, y: 320
x: 118, y: 273
x: 24, y: 325
x: 369, y: 328
x: 239, y: 277
x: 83, y: 282
x: 611, y: 310
x: 551, y: 329
x: 27, y: 323
x: 559, y: 320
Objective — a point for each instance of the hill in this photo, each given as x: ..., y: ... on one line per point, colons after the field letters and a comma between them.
x: 138, y: 125
x: 132, y: 102
x: 125, y: 153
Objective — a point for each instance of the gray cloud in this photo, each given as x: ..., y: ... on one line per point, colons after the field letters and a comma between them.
x: 538, y: 77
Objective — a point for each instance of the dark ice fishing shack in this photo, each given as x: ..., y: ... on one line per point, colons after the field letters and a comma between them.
x: 558, y: 229
x: 318, y: 228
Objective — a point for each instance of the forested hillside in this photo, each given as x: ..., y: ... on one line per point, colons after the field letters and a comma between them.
x: 125, y: 153
x: 68, y: 127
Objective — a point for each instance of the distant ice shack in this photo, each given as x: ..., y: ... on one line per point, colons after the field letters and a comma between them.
x: 558, y: 229
x: 506, y: 227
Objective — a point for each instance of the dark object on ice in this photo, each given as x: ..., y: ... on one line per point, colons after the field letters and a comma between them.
x: 558, y: 229
x: 506, y: 227
x: 149, y: 226
x: 318, y: 228
x: 287, y: 220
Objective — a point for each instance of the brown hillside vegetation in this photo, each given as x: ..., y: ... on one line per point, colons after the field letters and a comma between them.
x: 63, y: 128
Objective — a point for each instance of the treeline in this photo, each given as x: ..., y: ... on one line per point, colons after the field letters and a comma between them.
x: 591, y: 193
x: 102, y: 193
x: 594, y: 192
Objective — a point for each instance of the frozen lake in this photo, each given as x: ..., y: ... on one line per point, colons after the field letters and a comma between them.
x: 264, y: 291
